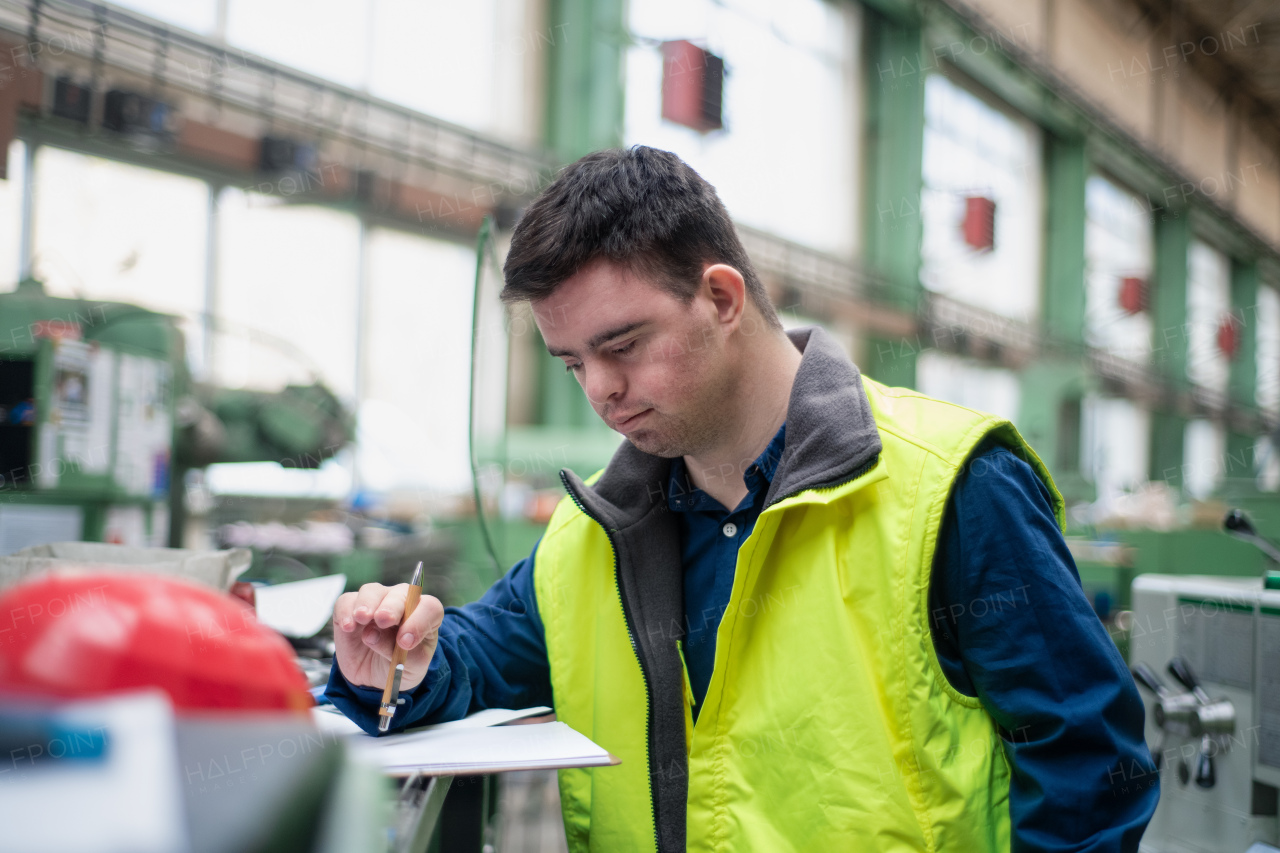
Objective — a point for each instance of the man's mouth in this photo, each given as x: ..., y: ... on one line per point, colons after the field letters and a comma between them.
x: 629, y: 421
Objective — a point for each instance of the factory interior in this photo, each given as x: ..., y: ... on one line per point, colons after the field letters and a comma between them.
x: 251, y: 339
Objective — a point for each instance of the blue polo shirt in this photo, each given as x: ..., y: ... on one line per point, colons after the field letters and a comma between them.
x: 710, y: 536
x: 1011, y: 626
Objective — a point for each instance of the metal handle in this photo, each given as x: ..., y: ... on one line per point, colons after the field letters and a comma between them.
x: 1205, y: 775
x: 1237, y: 522
x: 1181, y: 670
x: 1238, y: 525
x: 1145, y: 676
x: 1216, y: 718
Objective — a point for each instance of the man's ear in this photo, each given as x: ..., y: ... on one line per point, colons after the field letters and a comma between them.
x: 727, y: 290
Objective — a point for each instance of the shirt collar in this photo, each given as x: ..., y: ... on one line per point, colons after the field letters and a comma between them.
x: 683, y: 496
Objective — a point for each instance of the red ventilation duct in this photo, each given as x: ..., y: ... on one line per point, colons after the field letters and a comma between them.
x: 979, y: 224
x: 1133, y: 294
x: 692, y: 86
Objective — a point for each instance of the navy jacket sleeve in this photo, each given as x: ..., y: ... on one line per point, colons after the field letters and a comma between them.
x: 491, y: 654
x: 1013, y: 627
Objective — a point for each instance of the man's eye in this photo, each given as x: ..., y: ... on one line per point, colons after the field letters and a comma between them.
x: 569, y: 368
x: 626, y: 349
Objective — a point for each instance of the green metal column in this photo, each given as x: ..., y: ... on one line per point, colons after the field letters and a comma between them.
x: 1169, y: 340
x: 893, y: 181
x: 561, y: 402
x: 1243, y: 383
x: 1169, y: 298
x: 585, y: 96
x: 1052, y: 388
x: 1066, y: 171
x: 1243, y: 378
x: 1167, y: 430
x: 585, y: 81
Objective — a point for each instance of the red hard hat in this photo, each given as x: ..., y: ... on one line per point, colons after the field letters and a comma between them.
x: 72, y: 635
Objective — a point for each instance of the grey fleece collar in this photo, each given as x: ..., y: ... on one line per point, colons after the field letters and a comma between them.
x: 830, y: 438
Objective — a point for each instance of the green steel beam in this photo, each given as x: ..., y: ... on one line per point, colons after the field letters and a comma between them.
x: 1167, y: 431
x: 1049, y: 418
x: 1243, y: 383
x: 892, y: 177
x: 985, y: 54
x: 585, y: 82
x: 1169, y: 297
x: 1066, y: 170
x: 585, y: 97
x: 1238, y: 465
x: 562, y: 402
x: 1169, y: 339
x: 894, y: 151
x: 898, y: 11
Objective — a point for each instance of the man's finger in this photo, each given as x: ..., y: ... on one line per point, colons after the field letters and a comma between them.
x: 378, y: 640
x: 367, y: 600
x: 390, y: 610
x: 423, y: 622
x: 342, y: 611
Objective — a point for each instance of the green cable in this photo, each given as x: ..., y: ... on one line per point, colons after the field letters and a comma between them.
x: 482, y: 241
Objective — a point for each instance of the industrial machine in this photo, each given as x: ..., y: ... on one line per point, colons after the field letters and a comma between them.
x: 1213, y: 725
x: 99, y: 422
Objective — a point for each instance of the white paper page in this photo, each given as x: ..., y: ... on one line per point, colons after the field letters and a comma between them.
x: 329, y: 719
x: 301, y: 608
x: 487, y: 717
x: 491, y: 748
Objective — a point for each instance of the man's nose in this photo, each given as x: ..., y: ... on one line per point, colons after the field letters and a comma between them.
x: 602, y: 382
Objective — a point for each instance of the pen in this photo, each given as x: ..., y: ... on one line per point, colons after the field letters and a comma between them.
x: 391, y: 693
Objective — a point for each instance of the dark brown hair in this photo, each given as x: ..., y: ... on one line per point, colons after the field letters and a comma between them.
x: 641, y: 208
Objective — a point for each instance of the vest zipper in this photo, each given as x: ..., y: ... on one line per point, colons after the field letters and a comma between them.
x: 628, y: 620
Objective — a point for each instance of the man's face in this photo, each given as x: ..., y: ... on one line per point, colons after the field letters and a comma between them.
x: 653, y: 368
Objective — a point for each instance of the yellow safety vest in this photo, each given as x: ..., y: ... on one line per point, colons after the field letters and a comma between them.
x: 828, y: 723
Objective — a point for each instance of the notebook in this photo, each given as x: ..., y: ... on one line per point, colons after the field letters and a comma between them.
x: 480, y: 743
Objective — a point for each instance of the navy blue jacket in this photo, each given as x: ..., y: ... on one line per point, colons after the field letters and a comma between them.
x: 1011, y: 626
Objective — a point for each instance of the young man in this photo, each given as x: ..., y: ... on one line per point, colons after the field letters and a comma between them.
x: 807, y: 611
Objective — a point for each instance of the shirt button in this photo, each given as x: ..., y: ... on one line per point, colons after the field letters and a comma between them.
x: 730, y: 529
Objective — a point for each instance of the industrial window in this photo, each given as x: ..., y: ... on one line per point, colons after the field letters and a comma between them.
x: 200, y: 16
x: 1118, y: 264
x: 968, y: 383
x: 1267, y: 318
x: 1204, y: 451
x: 1208, y: 315
x: 468, y: 63
x: 1115, y: 446
x: 981, y: 202
x: 413, y: 418
x: 788, y: 65
x: 108, y: 230
x: 286, y: 294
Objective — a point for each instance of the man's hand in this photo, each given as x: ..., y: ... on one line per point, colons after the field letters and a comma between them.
x: 366, y: 627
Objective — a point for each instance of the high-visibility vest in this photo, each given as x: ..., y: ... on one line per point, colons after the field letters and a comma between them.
x: 828, y: 723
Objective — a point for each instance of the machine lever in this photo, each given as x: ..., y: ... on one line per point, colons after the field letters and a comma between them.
x: 1205, y: 775
x: 1238, y: 525
x: 1145, y: 676
x: 1181, y: 670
